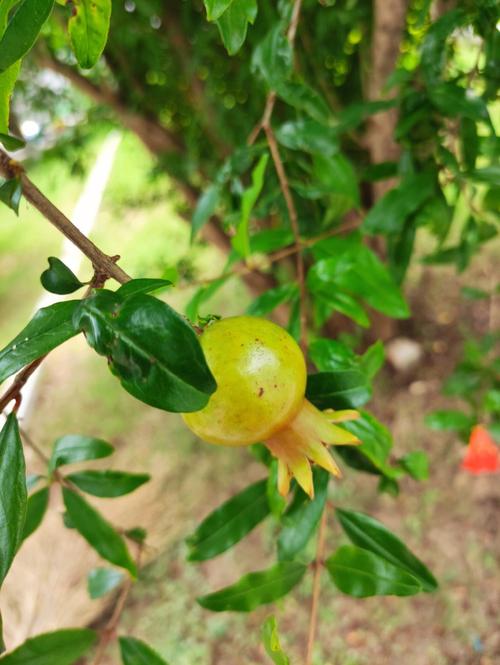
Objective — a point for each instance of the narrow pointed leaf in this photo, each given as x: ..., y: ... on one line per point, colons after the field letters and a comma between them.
x: 10, y: 193
x: 301, y: 520
x: 360, y: 573
x: 136, y: 652
x: 13, y: 495
x: 369, y: 533
x: 98, y: 532
x: 108, y: 484
x: 37, y: 507
x: 255, y: 589
x: 73, y: 448
x: 11, y: 142
x: 154, y: 352
x: 50, y: 327
x: 62, y: 647
x: 22, y: 30
x: 272, y: 644
x: 143, y: 285
x: 233, y: 23
x: 229, y: 523
x: 341, y: 389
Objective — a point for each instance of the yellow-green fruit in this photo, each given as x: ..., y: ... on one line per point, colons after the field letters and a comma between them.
x: 261, y: 380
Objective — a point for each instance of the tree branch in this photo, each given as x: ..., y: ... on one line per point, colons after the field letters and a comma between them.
x: 318, y: 565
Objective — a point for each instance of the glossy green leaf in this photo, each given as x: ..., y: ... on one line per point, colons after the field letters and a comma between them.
x: 273, y: 57
x: 58, y: 278
x: 101, y: 581
x: 336, y: 174
x: 338, y: 301
x: 143, y: 285
x: 255, y: 589
x: 62, y: 647
x: 154, y: 352
x: 330, y: 355
x: 271, y: 642
x: 360, y: 573
x: 306, y: 99
x: 88, y: 29
x: 270, y: 299
x: 11, y: 192
x: 241, y: 241
x: 50, y: 327
x: 233, y: 23
x: 453, y: 100
x: 373, y: 359
x: 301, y: 520
x: 36, y: 509
x: 449, y: 420
x: 98, y: 532
x: 8, y: 80
x: 369, y: 533
x: 229, y: 523
x: 434, y: 44
x: 341, y: 389
x: 389, y: 213
x: 108, y: 484
x: 215, y: 8
x: 13, y: 497
x: 11, y: 143
x: 277, y: 502
x: 136, y: 652
x: 73, y: 448
x: 309, y: 136
x: 205, y: 208
x: 469, y: 142
x: 376, y: 444
x: 22, y: 30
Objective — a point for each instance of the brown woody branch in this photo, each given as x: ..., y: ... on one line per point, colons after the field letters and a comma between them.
x: 318, y: 565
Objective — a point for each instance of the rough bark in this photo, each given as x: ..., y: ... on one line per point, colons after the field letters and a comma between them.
x: 388, y: 25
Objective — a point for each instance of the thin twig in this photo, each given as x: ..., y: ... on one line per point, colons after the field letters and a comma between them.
x: 14, y: 391
x: 39, y: 452
x: 318, y: 565
x: 109, y: 630
x: 102, y: 262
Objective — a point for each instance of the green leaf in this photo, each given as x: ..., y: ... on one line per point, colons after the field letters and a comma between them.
x: 469, y: 142
x: 136, y: 652
x: 154, y: 352
x: 229, y: 523
x: 449, y: 420
x: 11, y: 192
x: 335, y: 174
x: 376, y: 444
x: 241, y: 241
x: 342, y: 389
x: 453, y: 100
x: 373, y: 359
x: 369, y: 533
x: 309, y: 136
x: 389, y: 213
x: 144, y: 285
x: 343, y: 303
x: 58, y: 278
x: 273, y: 57
x: 98, y: 532
x: 360, y: 573
x: 205, y: 208
x: 50, y: 327
x: 62, y: 647
x: 137, y: 534
x: 277, y: 503
x: 303, y: 98
x: 36, y: 509
x: 270, y: 299
x: 255, y: 589
x: 202, y: 295
x: 101, y: 581
x: 215, y: 8
x: 472, y: 293
x: 233, y: 24
x: 272, y: 644
x: 108, y: 484
x: 88, y: 29
x: 301, y: 520
x: 22, y: 30
x: 8, y: 80
x: 73, y: 448
x: 13, y: 496
x: 416, y: 464
x: 9, y: 142
x: 433, y: 52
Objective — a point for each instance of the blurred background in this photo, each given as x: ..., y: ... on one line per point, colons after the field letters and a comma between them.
x: 450, y: 520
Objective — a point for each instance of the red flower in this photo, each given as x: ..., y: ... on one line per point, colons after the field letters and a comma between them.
x: 483, y: 455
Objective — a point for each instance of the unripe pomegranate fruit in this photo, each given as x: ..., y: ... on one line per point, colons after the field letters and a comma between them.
x: 261, y: 379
